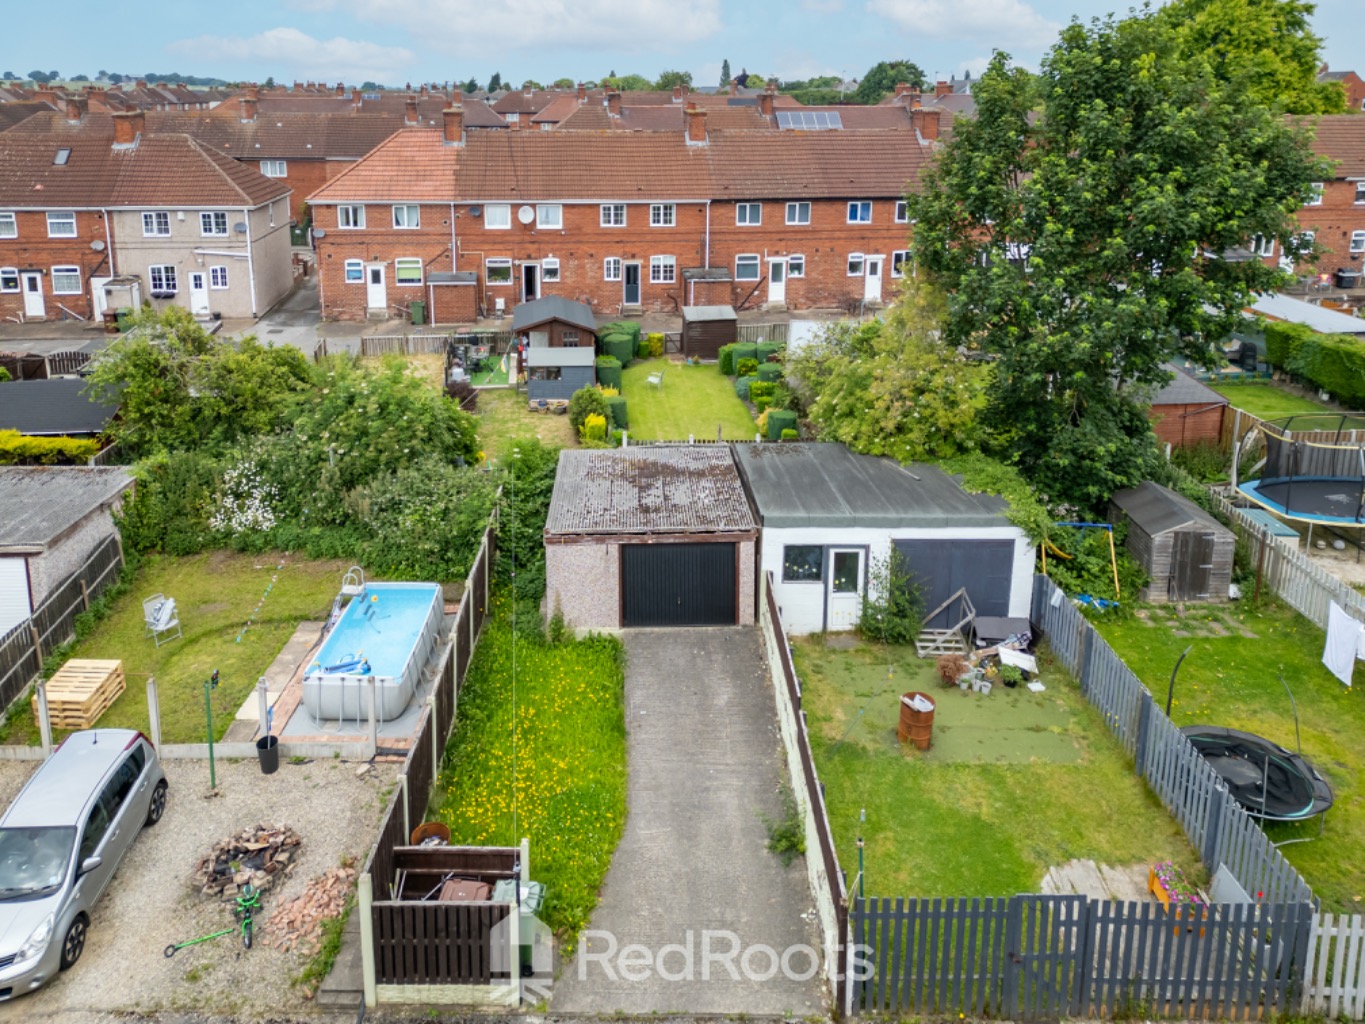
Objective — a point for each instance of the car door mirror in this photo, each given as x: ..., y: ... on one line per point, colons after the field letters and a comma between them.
x: 90, y: 864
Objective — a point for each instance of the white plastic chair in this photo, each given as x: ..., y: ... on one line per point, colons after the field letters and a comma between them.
x: 656, y: 378
x: 160, y: 616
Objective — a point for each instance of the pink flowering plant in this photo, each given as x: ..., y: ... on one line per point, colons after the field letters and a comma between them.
x: 1177, y: 886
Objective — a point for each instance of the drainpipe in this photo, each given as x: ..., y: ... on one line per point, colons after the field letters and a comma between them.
x: 250, y: 263
x: 454, y: 252
x: 109, y: 244
x: 706, y: 256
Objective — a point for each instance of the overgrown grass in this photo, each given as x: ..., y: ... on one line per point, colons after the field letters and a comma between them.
x: 1231, y: 679
x: 505, y: 419
x: 693, y: 401
x: 562, y: 780
x: 1267, y: 400
x: 320, y: 964
x: 217, y: 593
x: 1015, y: 782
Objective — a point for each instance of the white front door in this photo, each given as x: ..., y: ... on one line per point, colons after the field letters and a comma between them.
x: 872, y: 285
x: 34, y: 306
x: 844, y: 593
x: 376, y: 295
x: 97, y: 295
x: 777, y: 282
x: 199, y: 293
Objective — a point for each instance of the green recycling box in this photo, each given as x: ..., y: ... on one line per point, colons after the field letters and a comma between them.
x: 532, y: 899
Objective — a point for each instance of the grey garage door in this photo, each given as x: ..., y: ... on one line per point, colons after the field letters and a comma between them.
x: 678, y: 585
x: 984, y: 567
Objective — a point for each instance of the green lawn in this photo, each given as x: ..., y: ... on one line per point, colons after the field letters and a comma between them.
x: 505, y: 419
x: 217, y: 593
x: 1015, y: 782
x: 1267, y: 400
x: 693, y: 401
x: 563, y: 781
x: 1231, y: 678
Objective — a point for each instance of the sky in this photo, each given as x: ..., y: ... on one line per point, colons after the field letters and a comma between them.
x: 399, y: 41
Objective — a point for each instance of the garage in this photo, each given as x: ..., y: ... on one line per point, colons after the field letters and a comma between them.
x: 940, y: 568
x: 678, y: 584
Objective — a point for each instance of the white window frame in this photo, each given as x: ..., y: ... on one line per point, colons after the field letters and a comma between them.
x: 1360, y: 194
x: 613, y: 268
x: 902, y: 212
x: 896, y: 264
x: 275, y: 168
x: 794, y: 211
x: 748, y: 215
x: 58, y: 219
x: 796, y: 265
x: 550, y: 215
x: 9, y: 224
x: 1263, y: 245
x: 504, y: 217
x: 156, y: 224
x: 358, y: 266
x: 549, y: 270
x: 663, y: 215
x: 498, y: 262
x: 407, y: 262
x: 64, y: 271
x: 1318, y: 189
x: 209, y: 221
x: 608, y: 215
x: 861, y: 260
x: 663, y: 269
x: 218, y: 278
x: 351, y: 217
x: 749, y: 258
x: 1357, y: 242
x: 168, y: 273
x: 856, y: 206
x: 13, y: 274
x: 416, y: 218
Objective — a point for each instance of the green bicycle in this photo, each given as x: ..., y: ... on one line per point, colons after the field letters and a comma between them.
x: 244, y: 909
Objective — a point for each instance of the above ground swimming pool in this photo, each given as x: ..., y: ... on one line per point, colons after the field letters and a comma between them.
x: 386, y: 633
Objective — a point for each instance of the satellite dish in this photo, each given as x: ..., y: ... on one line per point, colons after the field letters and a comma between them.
x: 97, y: 245
x: 525, y: 214
x: 319, y: 233
x: 240, y: 227
x: 476, y: 211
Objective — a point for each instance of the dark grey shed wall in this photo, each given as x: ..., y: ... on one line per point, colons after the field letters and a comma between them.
x: 572, y: 378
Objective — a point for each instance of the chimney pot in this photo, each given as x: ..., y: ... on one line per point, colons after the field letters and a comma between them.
x: 696, y: 125
x: 614, y: 103
x: 766, y: 100
x: 127, y: 128
x: 942, y: 88
x: 453, y: 117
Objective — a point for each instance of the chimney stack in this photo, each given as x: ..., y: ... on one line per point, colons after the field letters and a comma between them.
x: 355, y: 97
x: 926, y: 123
x: 424, y: 88
x: 902, y: 89
x: 457, y: 97
x: 734, y: 87
x: 614, y: 103
x: 942, y: 88
x: 298, y: 86
x: 248, y: 104
x: 677, y: 93
x: 75, y: 109
x: 142, y: 83
x: 765, y: 101
x: 582, y: 93
x: 696, y: 125
x: 341, y: 90
x: 454, y: 125
x: 410, y: 111
x: 127, y: 128
x: 45, y: 94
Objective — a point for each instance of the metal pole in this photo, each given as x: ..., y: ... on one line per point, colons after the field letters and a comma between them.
x: 860, y: 867
x: 1298, y: 740
x: 208, y: 715
x: 1170, y: 693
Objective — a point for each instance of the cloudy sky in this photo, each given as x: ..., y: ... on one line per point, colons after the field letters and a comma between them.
x: 398, y: 41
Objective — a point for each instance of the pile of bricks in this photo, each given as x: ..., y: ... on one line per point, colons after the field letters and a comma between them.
x: 297, y: 923
x: 257, y: 855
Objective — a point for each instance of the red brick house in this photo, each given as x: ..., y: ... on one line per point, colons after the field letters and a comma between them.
x: 1351, y: 84
x: 622, y: 221
x: 1336, y: 220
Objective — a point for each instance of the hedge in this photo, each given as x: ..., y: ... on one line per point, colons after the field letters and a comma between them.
x: 746, y: 350
x: 1282, y: 340
x: 761, y: 389
x: 767, y: 349
x: 762, y: 402
x: 622, y: 346
x: 742, y: 386
x: 617, y: 407
x: 1333, y: 362
x: 726, y: 356
x: 791, y: 435
x: 18, y: 449
x: 609, y: 372
x: 654, y: 342
x: 769, y: 372
x: 778, y: 421
x: 627, y: 327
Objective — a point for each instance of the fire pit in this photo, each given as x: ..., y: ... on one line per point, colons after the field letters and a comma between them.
x: 257, y: 855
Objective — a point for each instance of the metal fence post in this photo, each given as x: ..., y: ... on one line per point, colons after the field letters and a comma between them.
x: 436, y: 739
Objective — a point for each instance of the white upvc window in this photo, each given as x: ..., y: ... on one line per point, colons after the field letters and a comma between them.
x: 902, y: 212
x: 355, y: 271
x: 798, y: 213
x: 900, y: 258
x: 66, y: 280
x: 9, y: 225
x: 350, y: 217
x: 156, y: 224
x: 855, y: 264
x: 407, y: 216
x: 497, y: 216
x: 748, y: 214
x: 1360, y: 198
x: 549, y: 215
x: 213, y: 224
x: 218, y: 278
x: 549, y: 270
x: 663, y: 215
x: 1263, y: 245
x: 498, y: 271
x: 860, y: 212
x: 611, y: 268
x: 275, y: 168
x: 746, y: 266
x: 662, y: 269
x: 407, y: 272
x: 796, y: 266
x: 1316, y: 200
x: 1357, y: 242
x: 162, y: 279
x: 61, y: 225
x: 9, y: 279
x: 613, y: 215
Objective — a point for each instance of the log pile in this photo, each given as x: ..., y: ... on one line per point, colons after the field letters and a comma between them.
x: 258, y: 855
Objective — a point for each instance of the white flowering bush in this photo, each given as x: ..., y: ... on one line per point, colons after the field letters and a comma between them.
x: 246, y: 502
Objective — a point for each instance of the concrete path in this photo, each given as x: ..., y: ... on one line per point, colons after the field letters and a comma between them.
x: 704, y: 758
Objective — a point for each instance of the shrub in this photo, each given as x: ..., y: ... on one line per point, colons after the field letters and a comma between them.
x: 791, y: 435
x: 656, y: 344
x: 463, y: 394
x: 761, y: 389
x: 629, y: 328
x: 18, y: 449
x: 745, y: 350
x: 746, y: 367
x: 609, y: 372
x: 1204, y: 461
x: 769, y: 371
x: 594, y: 427
x: 761, y: 404
x: 768, y: 349
x: 584, y: 403
x: 622, y: 346
x: 616, y: 405
x: 726, y: 359
x: 778, y: 421
x: 1333, y: 362
x: 762, y: 422
x: 892, y: 604
x: 609, y: 392
x: 1282, y: 341
x: 742, y: 386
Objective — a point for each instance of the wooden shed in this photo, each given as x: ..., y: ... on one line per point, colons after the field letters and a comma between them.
x: 1186, y: 552
x: 706, y: 329
x: 1186, y: 411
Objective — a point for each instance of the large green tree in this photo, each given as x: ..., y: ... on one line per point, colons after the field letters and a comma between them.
x: 882, y: 78
x: 1269, y: 44
x: 725, y: 73
x: 1080, y: 225
x: 668, y: 79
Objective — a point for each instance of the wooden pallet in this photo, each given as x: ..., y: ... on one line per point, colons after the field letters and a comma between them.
x: 81, y: 691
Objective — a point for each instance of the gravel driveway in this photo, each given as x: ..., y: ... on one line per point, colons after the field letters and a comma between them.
x: 152, y: 903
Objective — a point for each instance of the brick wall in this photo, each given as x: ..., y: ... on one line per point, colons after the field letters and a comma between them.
x: 379, y: 242
x: 305, y: 177
x: 34, y: 250
x: 453, y: 304
x: 1332, y: 222
x: 1181, y: 425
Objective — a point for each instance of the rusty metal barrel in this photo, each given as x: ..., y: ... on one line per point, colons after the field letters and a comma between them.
x: 916, y: 725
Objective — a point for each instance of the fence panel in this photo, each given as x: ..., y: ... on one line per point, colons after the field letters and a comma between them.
x: 1112, y: 688
x: 1335, y: 975
x: 753, y: 333
x: 19, y: 662
x: 430, y: 943
x: 418, y: 768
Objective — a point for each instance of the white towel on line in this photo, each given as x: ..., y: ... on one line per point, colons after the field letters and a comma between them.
x: 1343, y: 643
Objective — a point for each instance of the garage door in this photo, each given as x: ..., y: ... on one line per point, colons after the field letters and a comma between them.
x: 678, y: 584
x: 13, y: 593
x: 984, y: 567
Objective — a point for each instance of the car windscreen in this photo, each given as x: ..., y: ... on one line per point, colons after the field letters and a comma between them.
x: 34, y: 861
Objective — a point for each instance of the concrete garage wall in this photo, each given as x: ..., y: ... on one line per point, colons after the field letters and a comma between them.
x: 747, y: 583
x: 583, y: 583
x: 48, y: 570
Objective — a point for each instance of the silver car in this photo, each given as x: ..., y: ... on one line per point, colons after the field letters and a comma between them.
x: 60, y: 843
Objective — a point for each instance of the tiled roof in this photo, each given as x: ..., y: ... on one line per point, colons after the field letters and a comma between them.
x: 283, y: 136
x: 555, y: 111
x: 818, y: 165
x: 521, y: 102
x: 1341, y: 137
x: 851, y: 116
x: 40, y: 503
x: 590, y: 117
x: 13, y: 113
x: 412, y: 164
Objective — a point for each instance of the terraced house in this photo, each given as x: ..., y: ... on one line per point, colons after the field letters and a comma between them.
x: 807, y: 214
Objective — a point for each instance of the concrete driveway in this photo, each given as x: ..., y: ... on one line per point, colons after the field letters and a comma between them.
x: 693, y: 869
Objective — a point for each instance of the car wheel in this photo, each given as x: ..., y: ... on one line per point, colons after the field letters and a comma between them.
x: 158, y: 805
x: 74, y: 943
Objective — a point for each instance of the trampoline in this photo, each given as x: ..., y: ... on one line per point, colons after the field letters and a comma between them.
x: 1313, y: 470
x: 1270, y: 783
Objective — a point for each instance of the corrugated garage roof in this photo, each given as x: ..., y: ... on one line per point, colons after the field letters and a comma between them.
x: 40, y: 503
x: 648, y: 489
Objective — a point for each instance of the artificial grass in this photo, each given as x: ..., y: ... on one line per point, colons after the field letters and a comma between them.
x: 694, y: 401
x: 1015, y: 783
x: 1230, y: 678
x: 504, y: 419
x: 216, y: 593
x: 563, y: 783
x: 1266, y: 400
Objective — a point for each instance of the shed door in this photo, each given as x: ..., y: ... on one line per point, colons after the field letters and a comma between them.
x: 1191, y: 566
x: 984, y: 567
x: 678, y: 585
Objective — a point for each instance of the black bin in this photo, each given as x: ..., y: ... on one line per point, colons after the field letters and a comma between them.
x: 268, y: 750
x: 1347, y: 277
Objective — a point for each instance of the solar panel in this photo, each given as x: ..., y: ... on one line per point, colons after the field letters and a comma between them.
x: 809, y: 120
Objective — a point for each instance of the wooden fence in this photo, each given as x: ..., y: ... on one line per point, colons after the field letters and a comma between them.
x: 1335, y: 972
x: 53, y: 623
x: 36, y: 366
x: 753, y: 333
x: 433, y: 344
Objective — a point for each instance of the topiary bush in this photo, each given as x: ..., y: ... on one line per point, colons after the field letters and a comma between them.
x: 745, y: 350
x: 656, y: 344
x: 742, y: 386
x: 778, y: 421
x: 746, y: 367
x: 594, y: 427
x: 609, y: 372
x: 584, y: 403
x: 629, y: 328
x: 622, y: 346
x: 791, y: 435
x: 761, y: 404
x: 761, y: 389
x: 617, y: 407
x: 768, y: 349
x: 769, y: 372
x: 726, y: 357
x: 761, y: 422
